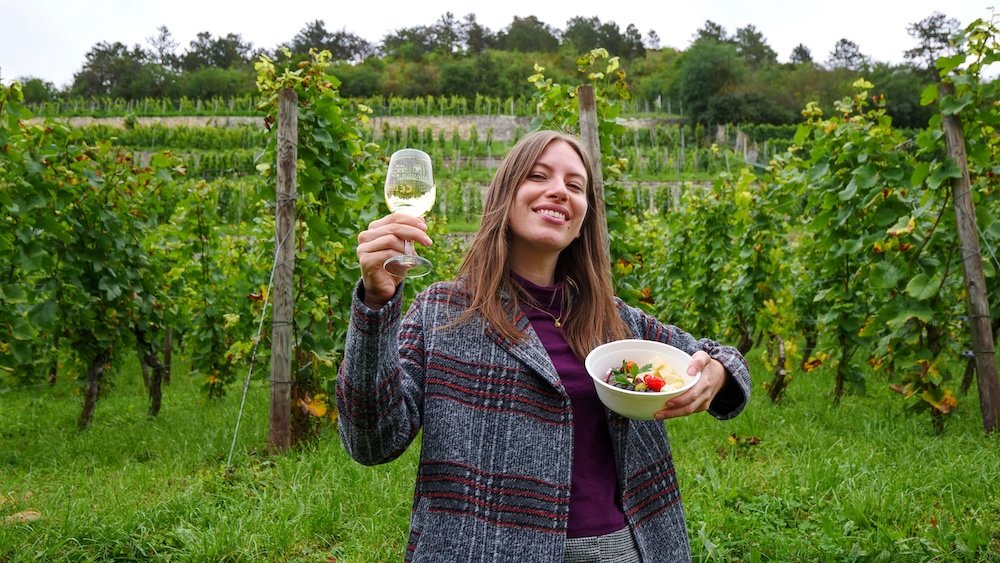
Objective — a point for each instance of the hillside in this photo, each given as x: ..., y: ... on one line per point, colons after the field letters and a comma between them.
x: 503, y: 126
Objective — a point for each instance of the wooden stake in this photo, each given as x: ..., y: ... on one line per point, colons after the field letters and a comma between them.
x: 592, y: 142
x: 279, y: 437
x: 972, y: 264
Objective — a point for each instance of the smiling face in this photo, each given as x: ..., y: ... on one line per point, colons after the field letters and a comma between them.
x: 549, y: 208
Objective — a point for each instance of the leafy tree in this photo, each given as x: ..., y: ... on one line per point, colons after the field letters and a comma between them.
x: 801, y: 55
x: 934, y: 35
x: 313, y: 35
x: 901, y: 86
x: 582, y: 32
x: 709, y: 70
x: 471, y: 76
x: 458, y: 77
x: 528, y: 35
x: 794, y: 86
x: 477, y: 38
x: 152, y: 81
x: 342, y: 45
x: 633, y: 46
x: 409, y: 43
x: 743, y: 106
x: 655, y: 74
x: 36, y: 90
x: 222, y: 52
x: 447, y: 34
x: 409, y: 79
x: 786, y: 89
x: 487, y: 80
x: 711, y: 31
x: 846, y: 54
x: 652, y: 40
x: 211, y: 82
x: 350, y: 47
x: 360, y: 80
x: 510, y: 69
x: 163, y: 48
x: 752, y: 46
x: 109, y: 70
x: 585, y: 34
x: 447, y: 37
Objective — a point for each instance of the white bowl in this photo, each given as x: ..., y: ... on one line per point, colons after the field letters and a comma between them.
x: 640, y: 405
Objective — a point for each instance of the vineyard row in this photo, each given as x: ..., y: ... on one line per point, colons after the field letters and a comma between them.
x: 381, y: 106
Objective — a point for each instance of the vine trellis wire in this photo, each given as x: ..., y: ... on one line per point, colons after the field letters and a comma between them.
x: 253, y: 352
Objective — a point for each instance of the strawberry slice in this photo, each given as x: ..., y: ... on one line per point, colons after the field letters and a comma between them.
x: 654, y: 382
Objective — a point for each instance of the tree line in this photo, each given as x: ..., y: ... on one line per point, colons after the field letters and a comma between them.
x: 721, y: 77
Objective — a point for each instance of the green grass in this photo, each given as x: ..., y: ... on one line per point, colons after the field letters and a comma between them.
x: 862, y: 481
x: 801, y: 481
x: 135, y: 488
x: 461, y: 227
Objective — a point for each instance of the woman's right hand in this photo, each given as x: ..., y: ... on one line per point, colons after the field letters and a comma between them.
x: 383, y: 239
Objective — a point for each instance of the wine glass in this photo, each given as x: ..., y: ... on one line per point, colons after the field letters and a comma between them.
x: 409, y: 188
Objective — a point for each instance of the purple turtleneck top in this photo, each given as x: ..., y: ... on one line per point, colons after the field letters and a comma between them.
x: 594, y: 509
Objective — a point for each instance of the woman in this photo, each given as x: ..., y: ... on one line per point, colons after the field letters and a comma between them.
x: 519, y: 460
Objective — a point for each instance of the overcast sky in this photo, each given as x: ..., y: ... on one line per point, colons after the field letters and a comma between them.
x: 49, y: 38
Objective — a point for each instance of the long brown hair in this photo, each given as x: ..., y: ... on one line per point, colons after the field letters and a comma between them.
x: 592, y: 318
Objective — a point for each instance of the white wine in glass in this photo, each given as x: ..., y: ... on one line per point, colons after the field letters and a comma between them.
x: 409, y: 188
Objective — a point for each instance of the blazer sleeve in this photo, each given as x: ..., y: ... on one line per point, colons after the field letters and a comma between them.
x: 735, y: 393
x: 380, y: 383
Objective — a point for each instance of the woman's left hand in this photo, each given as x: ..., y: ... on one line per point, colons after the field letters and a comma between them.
x: 698, y: 397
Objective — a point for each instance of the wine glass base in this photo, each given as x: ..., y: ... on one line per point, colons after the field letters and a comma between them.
x: 407, y: 266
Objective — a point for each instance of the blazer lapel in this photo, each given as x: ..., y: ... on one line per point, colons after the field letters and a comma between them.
x: 529, y: 349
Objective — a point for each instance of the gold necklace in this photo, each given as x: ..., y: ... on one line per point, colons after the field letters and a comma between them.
x: 556, y: 321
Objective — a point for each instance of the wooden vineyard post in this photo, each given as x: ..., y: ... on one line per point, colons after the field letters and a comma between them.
x: 592, y: 142
x: 972, y: 264
x: 279, y: 435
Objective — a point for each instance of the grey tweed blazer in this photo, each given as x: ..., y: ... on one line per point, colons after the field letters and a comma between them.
x: 493, y: 480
